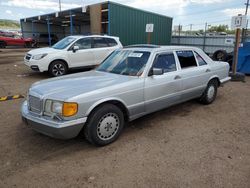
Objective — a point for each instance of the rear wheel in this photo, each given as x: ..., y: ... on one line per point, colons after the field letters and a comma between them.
x: 105, y: 125
x: 58, y: 68
x: 210, y: 93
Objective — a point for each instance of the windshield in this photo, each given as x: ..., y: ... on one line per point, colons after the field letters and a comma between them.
x: 64, y: 43
x: 125, y: 62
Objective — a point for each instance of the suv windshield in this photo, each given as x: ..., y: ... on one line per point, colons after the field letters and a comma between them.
x: 64, y: 43
x: 125, y: 62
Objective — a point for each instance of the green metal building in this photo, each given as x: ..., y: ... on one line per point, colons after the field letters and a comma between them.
x: 104, y: 18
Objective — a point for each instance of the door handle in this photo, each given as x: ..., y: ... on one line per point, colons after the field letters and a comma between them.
x: 208, y: 70
x: 177, y: 77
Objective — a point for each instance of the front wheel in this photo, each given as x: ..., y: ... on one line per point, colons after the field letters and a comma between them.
x: 105, y: 125
x: 210, y: 93
x: 58, y: 68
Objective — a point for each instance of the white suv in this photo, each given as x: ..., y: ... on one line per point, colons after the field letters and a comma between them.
x: 72, y: 52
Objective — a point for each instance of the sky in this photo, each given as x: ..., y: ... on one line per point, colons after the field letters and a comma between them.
x: 184, y: 12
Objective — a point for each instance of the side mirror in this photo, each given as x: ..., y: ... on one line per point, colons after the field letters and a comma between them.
x: 156, y: 71
x: 75, y: 48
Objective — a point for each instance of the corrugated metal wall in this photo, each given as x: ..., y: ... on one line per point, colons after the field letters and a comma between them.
x: 209, y: 43
x: 130, y: 25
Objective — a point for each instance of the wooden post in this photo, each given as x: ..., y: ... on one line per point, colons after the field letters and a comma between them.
x: 149, y: 37
x: 236, y: 51
x: 149, y: 30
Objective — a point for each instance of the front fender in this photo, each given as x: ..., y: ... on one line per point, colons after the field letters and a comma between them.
x: 59, y: 57
x: 97, y: 103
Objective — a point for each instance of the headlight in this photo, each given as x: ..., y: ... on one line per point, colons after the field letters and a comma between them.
x: 65, y: 109
x: 57, y: 107
x: 53, y: 107
x: 47, y: 107
x: 39, y: 56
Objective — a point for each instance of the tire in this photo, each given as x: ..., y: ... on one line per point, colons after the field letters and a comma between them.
x: 27, y: 45
x: 58, y: 68
x: 210, y: 93
x: 220, y: 55
x: 105, y: 125
x: 2, y: 44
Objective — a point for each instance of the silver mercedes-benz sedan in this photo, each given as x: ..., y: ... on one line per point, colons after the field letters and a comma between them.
x: 130, y: 83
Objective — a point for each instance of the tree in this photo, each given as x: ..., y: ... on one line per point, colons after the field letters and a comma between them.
x: 219, y: 28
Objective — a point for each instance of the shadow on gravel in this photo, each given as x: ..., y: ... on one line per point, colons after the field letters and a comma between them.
x: 32, y: 148
x: 40, y: 146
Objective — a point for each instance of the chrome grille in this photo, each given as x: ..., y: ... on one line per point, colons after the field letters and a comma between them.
x: 35, y: 104
x: 28, y: 56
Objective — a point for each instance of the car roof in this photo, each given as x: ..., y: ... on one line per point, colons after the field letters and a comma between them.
x: 156, y: 48
x: 83, y: 36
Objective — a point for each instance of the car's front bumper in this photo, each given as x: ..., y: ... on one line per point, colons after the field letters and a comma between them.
x: 37, y: 65
x: 53, y: 128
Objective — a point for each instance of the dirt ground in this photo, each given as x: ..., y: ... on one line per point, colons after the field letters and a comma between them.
x: 188, y: 145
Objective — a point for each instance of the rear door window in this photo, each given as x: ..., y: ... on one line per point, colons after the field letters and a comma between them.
x: 186, y: 59
x: 111, y: 42
x: 99, y: 42
x: 199, y: 59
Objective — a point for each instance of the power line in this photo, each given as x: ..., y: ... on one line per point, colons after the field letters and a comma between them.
x: 201, y: 24
x: 209, y: 22
x: 60, y: 6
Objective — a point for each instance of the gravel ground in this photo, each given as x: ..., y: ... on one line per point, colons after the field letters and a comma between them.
x: 188, y: 145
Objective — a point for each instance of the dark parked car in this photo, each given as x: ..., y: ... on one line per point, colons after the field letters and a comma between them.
x: 43, y: 39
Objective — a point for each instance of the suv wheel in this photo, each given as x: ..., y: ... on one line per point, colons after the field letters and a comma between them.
x: 58, y: 68
x: 105, y: 125
x: 210, y: 93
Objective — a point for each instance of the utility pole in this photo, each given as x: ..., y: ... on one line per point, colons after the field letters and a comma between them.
x: 247, y: 4
x: 179, y: 30
x: 60, y: 7
x: 204, y: 40
x: 191, y: 25
x: 243, y: 34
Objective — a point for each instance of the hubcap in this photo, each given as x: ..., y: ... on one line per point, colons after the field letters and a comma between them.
x: 108, y: 126
x: 58, y: 69
x: 210, y: 92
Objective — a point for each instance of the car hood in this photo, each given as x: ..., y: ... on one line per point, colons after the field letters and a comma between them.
x: 66, y: 87
x: 43, y: 51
